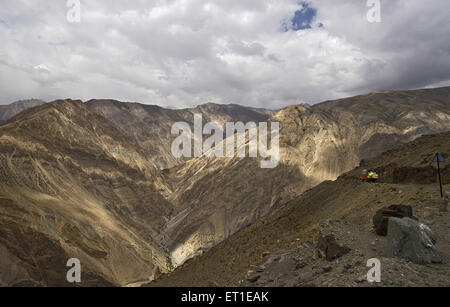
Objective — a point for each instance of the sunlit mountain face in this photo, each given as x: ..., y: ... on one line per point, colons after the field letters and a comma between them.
x: 224, y: 143
x: 96, y: 181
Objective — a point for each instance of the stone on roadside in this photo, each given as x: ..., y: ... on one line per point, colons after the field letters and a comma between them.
x: 380, y: 220
x: 411, y: 240
x: 265, y: 254
x: 253, y: 278
x: 328, y: 248
x: 361, y: 279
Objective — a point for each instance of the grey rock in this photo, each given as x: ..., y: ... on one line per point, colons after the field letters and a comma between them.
x: 328, y: 248
x: 327, y: 268
x: 254, y: 278
x: 361, y: 279
x: 300, y: 265
x: 411, y: 240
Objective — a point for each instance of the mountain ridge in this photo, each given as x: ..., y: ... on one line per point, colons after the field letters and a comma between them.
x: 295, y: 224
x: 88, y: 194
x: 9, y: 111
x: 97, y: 180
x: 316, y: 145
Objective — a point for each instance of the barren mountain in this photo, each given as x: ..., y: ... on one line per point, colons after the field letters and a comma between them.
x: 97, y: 181
x: 279, y: 249
x: 151, y: 125
x: 217, y: 197
x: 74, y: 186
x: 8, y: 111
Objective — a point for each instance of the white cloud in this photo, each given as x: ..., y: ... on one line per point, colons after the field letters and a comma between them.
x: 187, y: 52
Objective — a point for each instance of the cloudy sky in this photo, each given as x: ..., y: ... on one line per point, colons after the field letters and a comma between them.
x: 178, y: 53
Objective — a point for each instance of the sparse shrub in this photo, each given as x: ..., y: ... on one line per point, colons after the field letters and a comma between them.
x: 165, y: 171
x: 169, y: 264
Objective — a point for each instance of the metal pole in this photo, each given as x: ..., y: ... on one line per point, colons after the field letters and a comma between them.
x: 439, y: 173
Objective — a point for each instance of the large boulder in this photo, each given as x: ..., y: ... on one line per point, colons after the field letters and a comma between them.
x: 380, y: 219
x: 411, y: 240
x: 328, y: 248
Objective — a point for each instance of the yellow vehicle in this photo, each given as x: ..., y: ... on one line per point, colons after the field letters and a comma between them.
x: 369, y: 175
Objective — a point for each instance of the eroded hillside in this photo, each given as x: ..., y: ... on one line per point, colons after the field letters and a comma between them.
x: 9, y: 111
x: 85, y: 180
x: 73, y: 186
x: 217, y: 197
x: 150, y: 126
x: 296, y: 224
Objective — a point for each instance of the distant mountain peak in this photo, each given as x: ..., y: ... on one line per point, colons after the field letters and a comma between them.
x: 11, y: 110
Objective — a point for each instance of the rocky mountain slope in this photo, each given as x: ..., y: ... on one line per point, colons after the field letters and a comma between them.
x: 217, y: 197
x: 97, y: 181
x: 8, y: 111
x: 74, y: 186
x: 150, y: 126
x: 280, y: 248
